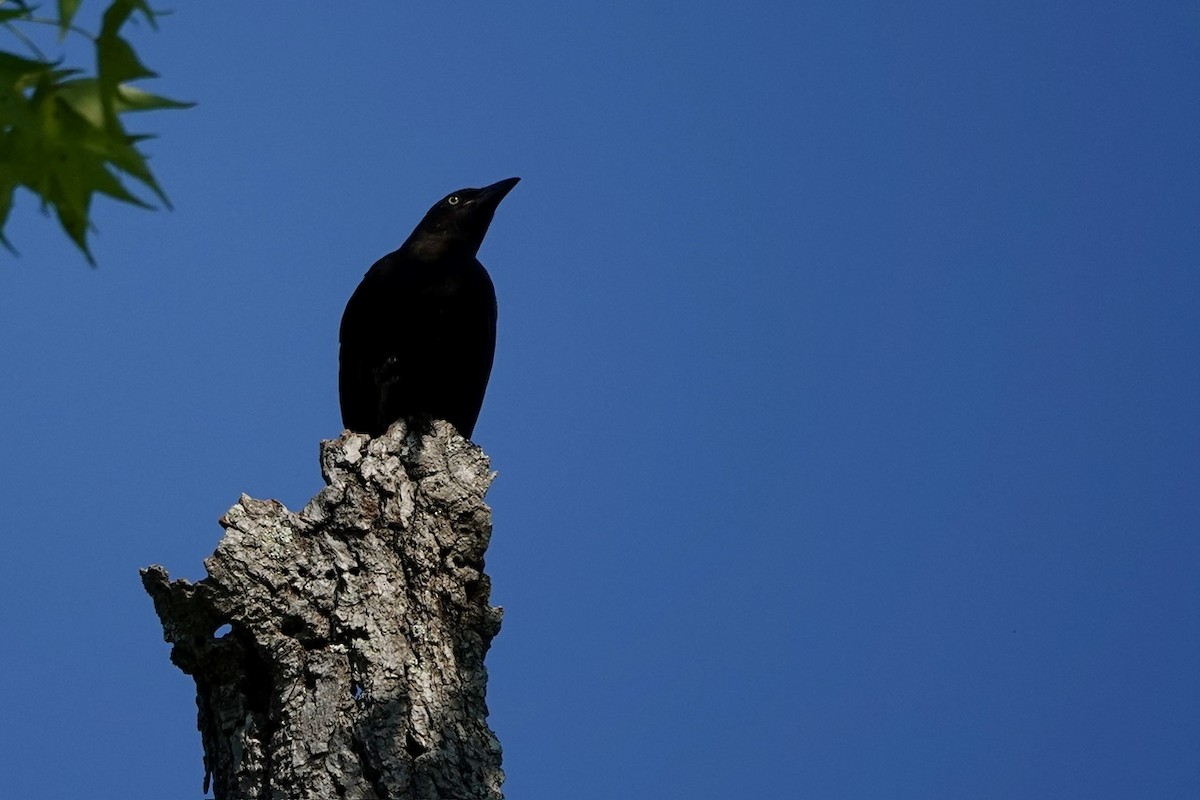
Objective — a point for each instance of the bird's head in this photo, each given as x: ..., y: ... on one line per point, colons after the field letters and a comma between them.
x: 459, y: 221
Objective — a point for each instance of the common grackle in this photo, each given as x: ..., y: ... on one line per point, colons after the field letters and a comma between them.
x: 419, y: 332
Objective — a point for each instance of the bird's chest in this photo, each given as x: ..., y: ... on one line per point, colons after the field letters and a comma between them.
x: 443, y: 286
x: 432, y: 297
x: 448, y: 293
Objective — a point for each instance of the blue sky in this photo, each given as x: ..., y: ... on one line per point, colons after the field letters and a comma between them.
x: 844, y: 404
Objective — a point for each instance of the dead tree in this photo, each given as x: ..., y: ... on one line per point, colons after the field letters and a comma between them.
x: 338, y: 651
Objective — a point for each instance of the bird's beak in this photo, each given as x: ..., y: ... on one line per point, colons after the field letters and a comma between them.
x: 492, y: 195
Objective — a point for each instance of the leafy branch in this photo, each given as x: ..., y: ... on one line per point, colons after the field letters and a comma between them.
x: 61, y: 131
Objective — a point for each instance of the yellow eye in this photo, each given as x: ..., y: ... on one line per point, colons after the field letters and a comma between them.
x: 452, y: 199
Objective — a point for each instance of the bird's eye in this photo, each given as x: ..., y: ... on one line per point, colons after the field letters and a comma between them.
x: 452, y: 199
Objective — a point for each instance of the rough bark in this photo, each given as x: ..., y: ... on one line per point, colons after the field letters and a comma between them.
x: 357, y: 628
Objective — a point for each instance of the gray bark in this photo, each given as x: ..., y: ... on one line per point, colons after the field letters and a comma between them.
x: 353, y: 666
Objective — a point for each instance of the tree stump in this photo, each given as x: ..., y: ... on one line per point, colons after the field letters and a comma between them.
x: 352, y: 665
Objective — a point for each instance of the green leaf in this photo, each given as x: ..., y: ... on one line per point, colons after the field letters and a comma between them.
x: 66, y: 15
x: 131, y: 98
x: 113, y: 143
x: 116, y: 61
x: 84, y: 95
x: 15, y: 69
x: 123, y: 9
x: 70, y: 153
x: 62, y: 137
x: 7, y: 188
x: 15, y: 72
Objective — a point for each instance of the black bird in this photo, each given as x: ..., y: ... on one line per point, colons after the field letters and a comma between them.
x: 419, y: 332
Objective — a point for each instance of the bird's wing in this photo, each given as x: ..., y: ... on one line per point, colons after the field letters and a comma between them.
x: 362, y: 352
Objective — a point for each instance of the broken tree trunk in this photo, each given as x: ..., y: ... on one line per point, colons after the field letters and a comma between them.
x: 357, y: 629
